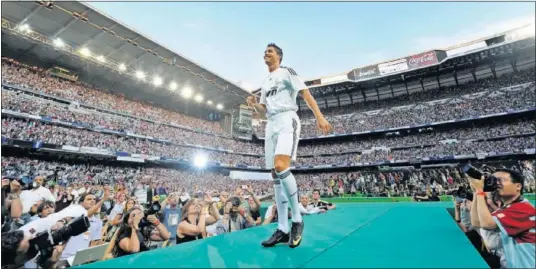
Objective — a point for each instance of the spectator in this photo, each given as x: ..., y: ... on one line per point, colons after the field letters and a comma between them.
x: 305, y: 209
x: 516, y: 219
x: 155, y: 233
x: 192, y: 225
x: 129, y: 239
x: 171, y: 214
x: 41, y: 191
x: 90, y: 238
x: 322, y: 205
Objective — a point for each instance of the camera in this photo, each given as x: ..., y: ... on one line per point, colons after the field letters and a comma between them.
x: 235, y: 201
x: 462, y: 193
x: 153, y: 209
x: 44, y: 242
x: 491, y: 183
x: 25, y: 182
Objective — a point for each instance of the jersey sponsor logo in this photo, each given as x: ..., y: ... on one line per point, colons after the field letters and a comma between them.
x: 272, y: 91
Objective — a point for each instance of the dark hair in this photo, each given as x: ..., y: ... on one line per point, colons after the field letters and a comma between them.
x: 44, y: 204
x: 186, y: 208
x: 278, y: 50
x: 516, y: 176
x: 316, y: 190
x: 10, y: 245
x: 83, y: 197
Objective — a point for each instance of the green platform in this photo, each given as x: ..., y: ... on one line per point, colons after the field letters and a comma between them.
x: 394, y: 235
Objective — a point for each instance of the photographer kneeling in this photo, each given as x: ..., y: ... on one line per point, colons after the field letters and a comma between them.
x: 515, y: 219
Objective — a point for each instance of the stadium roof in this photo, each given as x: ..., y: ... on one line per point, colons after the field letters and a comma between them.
x: 452, y: 51
x: 110, y: 45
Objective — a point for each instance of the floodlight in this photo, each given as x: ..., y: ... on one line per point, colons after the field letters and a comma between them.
x: 209, y: 102
x: 200, y: 161
x: 157, y: 81
x: 173, y: 86
x: 25, y: 28
x: 58, y: 43
x: 198, y: 98
x: 140, y: 74
x: 85, y: 51
x: 122, y: 67
x: 187, y: 92
x: 219, y: 106
x: 101, y: 59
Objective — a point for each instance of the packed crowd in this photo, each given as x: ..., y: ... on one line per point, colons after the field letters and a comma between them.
x: 34, y: 130
x: 435, y: 151
x: 39, y: 195
x: 430, y: 94
x: 25, y: 103
x: 428, y: 113
x: 21, y: 102
x: 36, y: 79
x: 425, y: 137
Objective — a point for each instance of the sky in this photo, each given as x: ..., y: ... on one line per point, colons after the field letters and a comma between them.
x: 318, y: 38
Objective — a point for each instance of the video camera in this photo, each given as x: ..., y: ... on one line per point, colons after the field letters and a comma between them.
x: 491, y: 183
x: 44, y: 242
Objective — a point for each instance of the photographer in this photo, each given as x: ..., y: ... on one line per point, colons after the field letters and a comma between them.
x: 11, y: 202
x: 515, y: 219
x: 490, y: 238
x: 40, y: 244
x: 129, y: 239
x: 462, y: 211
x: 236, y: 217
x: 154, y: 232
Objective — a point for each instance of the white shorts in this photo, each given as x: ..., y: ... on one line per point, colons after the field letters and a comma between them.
x: 282, y: 136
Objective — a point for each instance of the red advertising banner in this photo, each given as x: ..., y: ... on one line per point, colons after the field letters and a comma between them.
x: 423, y: 59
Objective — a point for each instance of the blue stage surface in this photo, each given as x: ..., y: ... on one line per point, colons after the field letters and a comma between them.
x: 386, y: 235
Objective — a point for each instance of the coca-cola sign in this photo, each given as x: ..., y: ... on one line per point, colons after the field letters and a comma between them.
x: 423, y: 59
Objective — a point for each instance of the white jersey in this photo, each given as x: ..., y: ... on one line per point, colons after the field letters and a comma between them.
x: 279, y: 91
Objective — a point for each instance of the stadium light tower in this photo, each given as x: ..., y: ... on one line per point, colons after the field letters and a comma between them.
x: 200, y: 161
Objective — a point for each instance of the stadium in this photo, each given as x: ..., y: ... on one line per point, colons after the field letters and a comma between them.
x: 83, y: 115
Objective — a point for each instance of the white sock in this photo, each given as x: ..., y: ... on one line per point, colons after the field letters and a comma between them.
x: 291, y: 189
x: 281, y: 202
